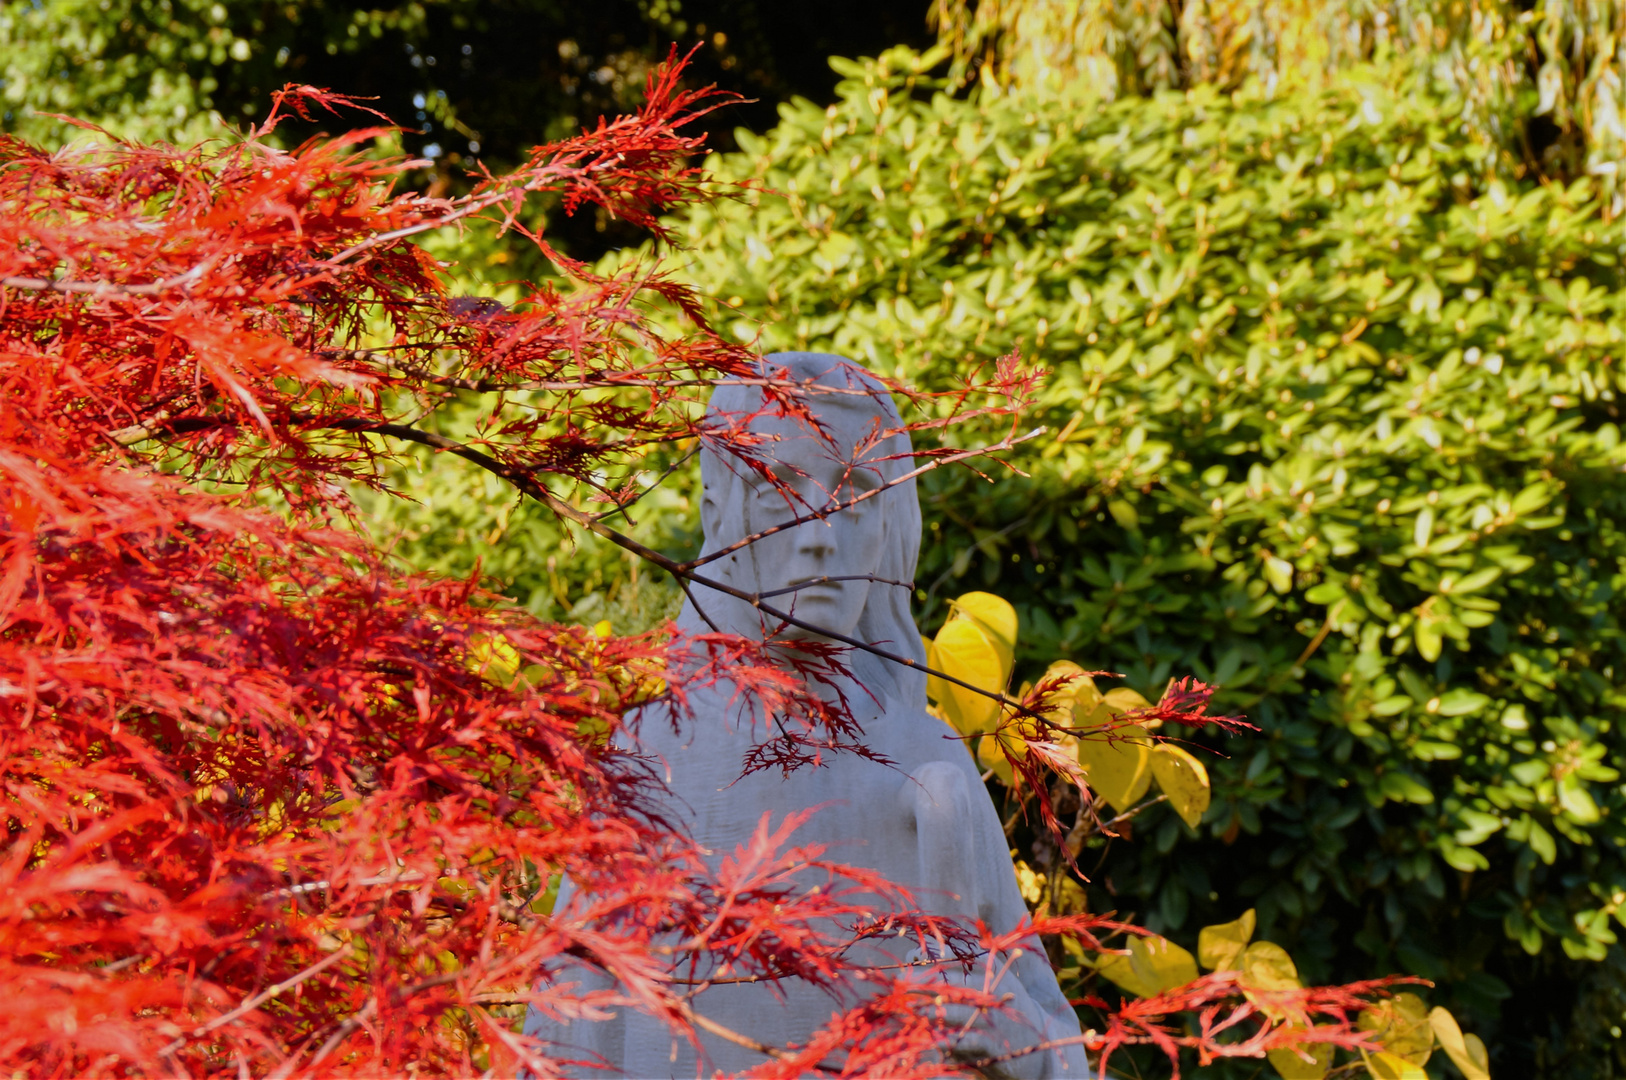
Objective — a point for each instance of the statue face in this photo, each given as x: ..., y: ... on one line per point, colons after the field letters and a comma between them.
x: 846, y: 544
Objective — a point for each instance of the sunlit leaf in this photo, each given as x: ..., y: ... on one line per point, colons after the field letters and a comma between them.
x: 996, y: 618
x: 1460, y: 1048
x: 964, y: 651
x: 1266, y: 966
x: 1219, y: 947
x: 1290, y: 1066
x: 1119, y: 767
x: 1184, y: 779
x: 1402, y: 1025
x: 1386, y: 1066
x: 1154, y: 964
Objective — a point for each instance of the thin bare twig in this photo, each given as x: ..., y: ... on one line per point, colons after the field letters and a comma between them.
x: 527, y: 484
x: 1133, y: 810
x: 818, y: 515
x: 622, y: 508
x: 607, y: 380
x: 106, y: 288
x: 682, y: 571
x: 318, y: 886
x: 260, y: 999
x: 828, y: 580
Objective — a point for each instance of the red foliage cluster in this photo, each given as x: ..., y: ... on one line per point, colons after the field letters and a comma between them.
x: 1237, y: 1020
x: 273, y: 806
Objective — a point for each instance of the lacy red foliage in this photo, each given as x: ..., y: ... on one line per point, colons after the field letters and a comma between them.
x: 273, y: 806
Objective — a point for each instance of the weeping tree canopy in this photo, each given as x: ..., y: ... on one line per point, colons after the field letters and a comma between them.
x: 1541, y: 84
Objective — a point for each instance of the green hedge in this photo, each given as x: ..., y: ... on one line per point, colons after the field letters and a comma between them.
x: 1331, y: 423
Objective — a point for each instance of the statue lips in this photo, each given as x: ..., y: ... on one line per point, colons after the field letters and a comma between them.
x: 825, y: 591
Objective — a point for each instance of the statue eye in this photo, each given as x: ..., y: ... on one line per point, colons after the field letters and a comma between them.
x: 864, y: 480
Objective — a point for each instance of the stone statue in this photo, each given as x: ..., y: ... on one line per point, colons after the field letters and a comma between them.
x: 926, y: 822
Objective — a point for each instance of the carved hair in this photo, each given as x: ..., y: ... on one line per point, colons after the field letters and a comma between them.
x: 886, y: 620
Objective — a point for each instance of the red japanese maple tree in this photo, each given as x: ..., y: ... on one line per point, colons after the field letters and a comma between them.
x: 274, y: 806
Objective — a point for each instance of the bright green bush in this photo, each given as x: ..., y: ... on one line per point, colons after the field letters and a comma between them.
x: 1331, y: 423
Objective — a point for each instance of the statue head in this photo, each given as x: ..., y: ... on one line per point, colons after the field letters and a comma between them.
x: 878, y: 538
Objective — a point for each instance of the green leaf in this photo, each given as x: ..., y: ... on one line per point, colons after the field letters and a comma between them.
x: 1279, y: 572
x: 1460, y: 702
x: 1428, y: 638
x: 1328, y: 592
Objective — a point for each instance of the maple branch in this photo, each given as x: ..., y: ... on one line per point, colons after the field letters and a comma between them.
x: 818, y: 515
x: 360, y: 1017
x: 1103, y: 826
x: 683, y: 571
x: 607, y: 380
x: 537, y: 182
x: 828, y: 580
x: 107, y: 288
x: 621, y: 508
x: 705, y: 1023
x: 260, y: 999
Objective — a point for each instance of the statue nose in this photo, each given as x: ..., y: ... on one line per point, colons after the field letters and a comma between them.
x: 817, y: 539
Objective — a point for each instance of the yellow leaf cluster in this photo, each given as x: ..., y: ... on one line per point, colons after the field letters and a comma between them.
x: 1121, y: 760
x: 977, y: 645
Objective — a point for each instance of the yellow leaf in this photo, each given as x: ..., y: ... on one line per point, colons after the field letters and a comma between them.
x: 991, y: 757
x: 1154, y: 964
x: 1184, y: 780
x: 994, y: 617
x: 1477, y: 1054
x: 1124, y: 700
x: 601, y: 629
x: 1402, y: 1026
x: 1167, y: 963
x: 1292, y: 1067
x: 964, y: 651
x: 1266, y: 966
x: 1220, y: 947
x: 1122, y: 971
x: 1458, y: 1047
x: 1386, y: 1066
x: 494, y: 658
x: 1079, y: 692
x: 1120, y: 770
x: 1030, y: 882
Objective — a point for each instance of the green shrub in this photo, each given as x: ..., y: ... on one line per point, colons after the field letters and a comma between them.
x: 1331, y: 423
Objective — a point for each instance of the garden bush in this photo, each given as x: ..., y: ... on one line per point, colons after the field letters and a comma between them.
x: 1332, y: 423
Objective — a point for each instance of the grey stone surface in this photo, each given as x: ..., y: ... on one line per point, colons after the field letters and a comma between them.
x: 927, y: 822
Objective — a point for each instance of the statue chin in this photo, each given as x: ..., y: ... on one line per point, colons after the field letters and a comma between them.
x: 926, y: 822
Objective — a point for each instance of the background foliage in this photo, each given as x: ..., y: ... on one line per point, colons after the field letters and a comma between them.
x: 1539, y: 82
x: 470, y: 79
x: 1333, y: 425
